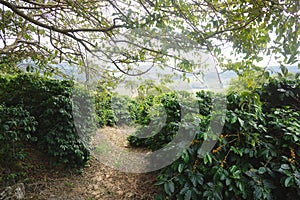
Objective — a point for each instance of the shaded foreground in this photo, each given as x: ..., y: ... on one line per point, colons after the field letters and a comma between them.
x: 96, y: 181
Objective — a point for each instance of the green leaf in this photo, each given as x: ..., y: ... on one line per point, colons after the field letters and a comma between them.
x: 207, y: 158
x: 171, y: 186
x: 166, y: 188
x: 185, y: 156
x: 285, y: 166
x: 262, y: 170
x: 228, y: 181
x: 188, y: 195
x: 288, y: 181
x: 5, y: 127
x: 241, y: 122
x: 233, y: 118
x: 284, y: 70
x: 180, y: 167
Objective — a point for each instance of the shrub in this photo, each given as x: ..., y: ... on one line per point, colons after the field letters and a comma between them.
x: 143, y: 110
x: 16, y: 127
x: 112, y: 109
x: 50, y: 102
x: 162, y: 118
x: 256, y: 155
x: 125, y: 109
x: 204, y: 99
x: 104, y: 113
x: 280, y: 93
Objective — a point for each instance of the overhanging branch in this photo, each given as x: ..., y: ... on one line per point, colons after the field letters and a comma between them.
x: 56, y: 29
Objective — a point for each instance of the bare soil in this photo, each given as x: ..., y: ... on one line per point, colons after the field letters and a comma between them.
x: 96, y: 181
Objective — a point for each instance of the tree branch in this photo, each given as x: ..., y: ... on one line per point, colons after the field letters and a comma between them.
x: 56, y: 29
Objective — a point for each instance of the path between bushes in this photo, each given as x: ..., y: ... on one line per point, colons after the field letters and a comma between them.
x: 97, y: 181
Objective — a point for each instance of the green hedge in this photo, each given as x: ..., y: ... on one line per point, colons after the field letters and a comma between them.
x: 50, y: 102
x: 125, y: 109
x: 281, y: 93
x: 165, y: 117
x: 16, y: 127
x: 104, y: 113
x: 113, y: 109
x: 256, y: 156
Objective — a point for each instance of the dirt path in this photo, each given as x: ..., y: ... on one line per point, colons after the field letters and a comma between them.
x: 97, y: 181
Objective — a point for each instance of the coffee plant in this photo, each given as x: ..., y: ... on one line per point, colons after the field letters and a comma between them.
x: 161, y: 116
x: 104, y: 113
x: 17, y: 126
x: 256, y: 155
x: 162, y: 124
x: 113, y: 109
x: 143, y: 110
x: 280, y: 93
x: 50, y: 102
x: 125, y: 109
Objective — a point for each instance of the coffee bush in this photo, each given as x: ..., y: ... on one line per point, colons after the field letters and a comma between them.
x: 256, y: 155
x: 50, y: 102
x: 17, y: 126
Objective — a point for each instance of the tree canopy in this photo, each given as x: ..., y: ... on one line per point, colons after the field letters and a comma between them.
x: 125, y: 33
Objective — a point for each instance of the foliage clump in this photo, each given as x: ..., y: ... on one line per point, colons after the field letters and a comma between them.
x: 17, y: 127
x: 256, y: 155
x: 49, y: 102
x: 281, y: 92
x: 160, y: 124
x: 113, y: 109
x: 162, y: 116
